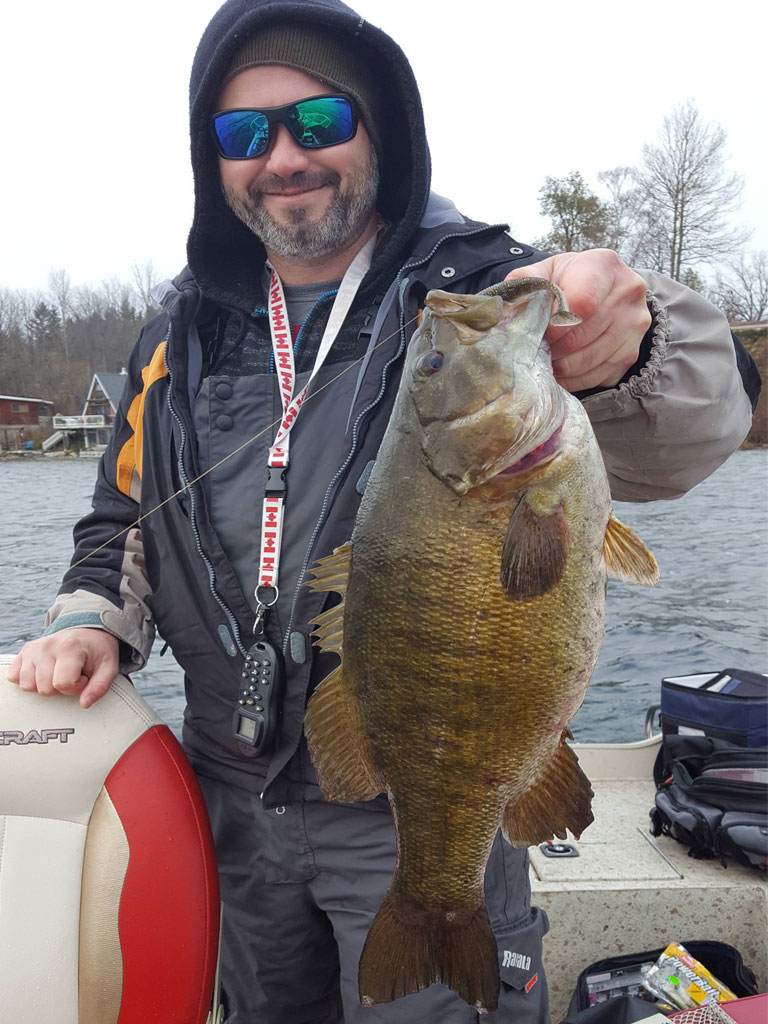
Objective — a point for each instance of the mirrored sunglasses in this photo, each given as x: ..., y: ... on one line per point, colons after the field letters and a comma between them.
x: 314, y: 123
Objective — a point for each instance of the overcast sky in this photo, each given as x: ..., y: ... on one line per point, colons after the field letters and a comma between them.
x: 94, y: 173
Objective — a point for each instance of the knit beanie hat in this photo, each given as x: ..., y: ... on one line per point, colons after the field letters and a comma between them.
x: 319, y: 53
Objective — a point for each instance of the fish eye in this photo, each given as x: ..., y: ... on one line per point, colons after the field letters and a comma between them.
x: 430, y: 362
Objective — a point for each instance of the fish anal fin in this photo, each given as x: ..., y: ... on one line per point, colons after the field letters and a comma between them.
x: 337, y: 743
x: 626, y: 557
x: 559, y: 799
x: 409, y: 948
x: 534, y: 553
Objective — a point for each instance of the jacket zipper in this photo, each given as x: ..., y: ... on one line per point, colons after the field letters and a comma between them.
x: 331, y: 490
x: 233, y: 623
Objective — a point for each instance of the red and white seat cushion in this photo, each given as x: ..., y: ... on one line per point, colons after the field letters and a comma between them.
x: 109, y: 902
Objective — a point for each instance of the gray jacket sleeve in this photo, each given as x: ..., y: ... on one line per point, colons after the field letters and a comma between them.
x: 685, y: 412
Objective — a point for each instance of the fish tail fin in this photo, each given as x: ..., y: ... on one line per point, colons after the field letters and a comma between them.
x: 408, y: 949
x: 559, y: 799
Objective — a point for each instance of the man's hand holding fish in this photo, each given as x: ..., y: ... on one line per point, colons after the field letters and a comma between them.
x: 610, y: 298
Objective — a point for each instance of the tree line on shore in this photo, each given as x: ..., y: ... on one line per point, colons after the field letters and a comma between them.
x: 52, y: 342
x: 673, y: 213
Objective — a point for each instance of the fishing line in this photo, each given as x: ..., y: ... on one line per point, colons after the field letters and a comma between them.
x: 216, y: 465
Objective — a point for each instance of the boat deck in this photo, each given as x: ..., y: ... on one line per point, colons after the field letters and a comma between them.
x: 630, y: 892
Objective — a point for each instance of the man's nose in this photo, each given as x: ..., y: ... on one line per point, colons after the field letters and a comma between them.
x: 285, y: 156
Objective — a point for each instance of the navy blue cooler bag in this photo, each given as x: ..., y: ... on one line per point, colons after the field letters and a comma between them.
x: 730, y: 705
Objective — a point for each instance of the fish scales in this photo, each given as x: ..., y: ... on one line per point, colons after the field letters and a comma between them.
x: 461, y: 681
x: 466, y: 729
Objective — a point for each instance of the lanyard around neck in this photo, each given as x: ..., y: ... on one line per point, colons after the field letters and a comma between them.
x: 277, y: 461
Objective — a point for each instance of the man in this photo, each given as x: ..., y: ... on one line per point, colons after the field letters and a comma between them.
x: 309, y: 151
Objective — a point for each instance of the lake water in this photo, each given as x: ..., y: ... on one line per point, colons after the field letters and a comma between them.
x: 707, y: 613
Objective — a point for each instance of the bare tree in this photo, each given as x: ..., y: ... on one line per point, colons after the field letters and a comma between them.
x: 145, y: 279
x: 741, y: 291
x: 622, y: 209
x: 60, y: 288
x: 632, y: 227
x: 117, y: 295
x: 687, y: 194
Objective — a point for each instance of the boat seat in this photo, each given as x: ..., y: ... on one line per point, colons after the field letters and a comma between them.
x: 109, y: 901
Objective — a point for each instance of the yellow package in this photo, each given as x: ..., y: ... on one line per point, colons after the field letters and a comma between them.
x: 680, y: 977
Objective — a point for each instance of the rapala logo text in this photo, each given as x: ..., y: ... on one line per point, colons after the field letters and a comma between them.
x: 11, y: 736
x: 516, y: 960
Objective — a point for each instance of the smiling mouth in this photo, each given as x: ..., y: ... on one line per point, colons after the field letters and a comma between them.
x: 293, y: 193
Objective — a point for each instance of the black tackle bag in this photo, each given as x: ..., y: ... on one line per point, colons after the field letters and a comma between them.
x: 713, y: 797
x: 609, y: 991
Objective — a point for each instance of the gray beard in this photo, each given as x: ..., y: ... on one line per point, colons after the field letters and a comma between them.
x: 347, y: 215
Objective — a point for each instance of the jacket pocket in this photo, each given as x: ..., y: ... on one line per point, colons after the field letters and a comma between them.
x: 523, y: 989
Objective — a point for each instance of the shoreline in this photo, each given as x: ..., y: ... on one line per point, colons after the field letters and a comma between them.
x: 38, y: 456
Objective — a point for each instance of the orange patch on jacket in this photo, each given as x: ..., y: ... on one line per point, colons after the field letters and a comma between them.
x: 132, y: 453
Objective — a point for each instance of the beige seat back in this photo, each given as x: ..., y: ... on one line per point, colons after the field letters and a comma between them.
x: 108, y: 886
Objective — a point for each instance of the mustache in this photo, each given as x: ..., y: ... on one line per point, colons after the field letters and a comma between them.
x: 273, y: 184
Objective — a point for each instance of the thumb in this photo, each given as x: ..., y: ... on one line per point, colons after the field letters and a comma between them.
x: 544, y: 268
x: 101, y: 678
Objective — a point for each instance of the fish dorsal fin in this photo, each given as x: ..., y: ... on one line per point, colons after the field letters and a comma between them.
x: 333, y: 723
x: 626, y: 557
x: 331, y: 574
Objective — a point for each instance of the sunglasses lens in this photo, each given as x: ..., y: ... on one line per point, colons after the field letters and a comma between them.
x: 323, y: 121
x: 314, y: 123
x: 241, y: 133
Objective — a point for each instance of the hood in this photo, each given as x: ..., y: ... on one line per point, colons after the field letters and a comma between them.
x: 224, y: 255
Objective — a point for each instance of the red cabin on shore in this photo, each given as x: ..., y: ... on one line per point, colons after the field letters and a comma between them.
x: 24, y: 412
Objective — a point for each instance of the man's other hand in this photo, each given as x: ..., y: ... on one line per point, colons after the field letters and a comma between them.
x: 611, y: 301
x: 74, y: 661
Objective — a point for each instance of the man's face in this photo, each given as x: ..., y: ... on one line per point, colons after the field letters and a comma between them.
x: 302, y: 203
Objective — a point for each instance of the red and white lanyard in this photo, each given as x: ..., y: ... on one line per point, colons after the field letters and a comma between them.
x: 277, y: 460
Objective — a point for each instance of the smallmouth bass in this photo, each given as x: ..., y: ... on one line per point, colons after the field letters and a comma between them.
x: 472, y: 613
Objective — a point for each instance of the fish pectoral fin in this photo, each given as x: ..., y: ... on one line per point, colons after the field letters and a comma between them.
x: 626, y: 557
x: 337, y: 743
x: 559, y: 799
x: 534, y: 553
